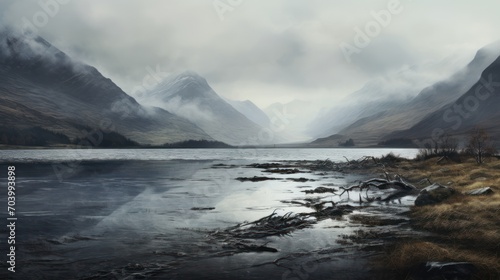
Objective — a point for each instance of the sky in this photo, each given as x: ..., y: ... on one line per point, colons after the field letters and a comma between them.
x: 263, y: 50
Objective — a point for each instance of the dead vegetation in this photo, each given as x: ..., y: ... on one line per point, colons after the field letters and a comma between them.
x: 467, y: 227
x: 464, y: 228
x: 366, y: 162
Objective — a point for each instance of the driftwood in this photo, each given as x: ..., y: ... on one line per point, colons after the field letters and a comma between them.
x: 425, y: 181
x: 402, y: 188
x: 272, y: 225
x: 381, y: 184
x: 237, y: 238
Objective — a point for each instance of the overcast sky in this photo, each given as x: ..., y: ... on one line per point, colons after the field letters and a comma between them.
x: 262, y: 50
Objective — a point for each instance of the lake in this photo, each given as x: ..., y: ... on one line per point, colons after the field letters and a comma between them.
x: 127, y: 214
x: 197, y: 154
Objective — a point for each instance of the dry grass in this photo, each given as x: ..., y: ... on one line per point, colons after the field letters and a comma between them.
x: 467, y: 227
x: 404, y: 257
x: 473, y: 221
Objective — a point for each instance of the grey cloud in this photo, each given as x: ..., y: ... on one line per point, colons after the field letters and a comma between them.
x: 277, y: 49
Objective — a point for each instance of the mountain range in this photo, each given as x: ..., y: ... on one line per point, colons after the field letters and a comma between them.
x: 403, y: 120
x: 49, y: 98
x: 383, y: 93
x: 40, y: 86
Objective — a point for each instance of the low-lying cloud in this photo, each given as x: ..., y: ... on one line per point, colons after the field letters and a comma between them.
x: 282, y: 49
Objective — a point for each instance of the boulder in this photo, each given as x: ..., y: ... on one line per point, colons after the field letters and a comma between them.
x: 481, y: 191
x: 433, y: 194
x: 444, y: 270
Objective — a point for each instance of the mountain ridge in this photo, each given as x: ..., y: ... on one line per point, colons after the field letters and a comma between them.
x: 58, y: 93
x: 373, y: 129
x: 476, y: 107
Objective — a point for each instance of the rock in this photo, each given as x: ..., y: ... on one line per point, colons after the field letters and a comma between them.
x: 444, y: 270
x: 321, y: 190
x: 481, y: 191
x: 202, y: 208
x: 254, y: 179
x: 433, y: 194
x: 283, y: 171
x: 300, y: 180
x: 134, y: 267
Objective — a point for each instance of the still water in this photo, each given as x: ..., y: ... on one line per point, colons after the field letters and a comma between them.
x: 198, y: 154
x: 127, y: 214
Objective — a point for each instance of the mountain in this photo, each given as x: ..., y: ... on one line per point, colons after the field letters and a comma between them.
x: 373, y: 129
x: 190, y: 96
x: 40, y: 86
x: 383, y: 93
x: 330, y: 121
x: 479, y: 106
x: 251, y: 111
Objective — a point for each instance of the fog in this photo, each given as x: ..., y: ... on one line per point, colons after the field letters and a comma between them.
x: 268, y: 51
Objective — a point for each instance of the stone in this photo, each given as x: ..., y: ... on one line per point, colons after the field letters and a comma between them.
x: 433, y: 194
x: 481, y: 191
x: 444, y: 270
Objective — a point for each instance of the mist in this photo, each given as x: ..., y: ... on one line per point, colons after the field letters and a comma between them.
x: 267, y: 52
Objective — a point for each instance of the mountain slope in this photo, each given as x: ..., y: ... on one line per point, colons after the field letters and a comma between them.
x: 383, y: 93
x: 372, y: 129
x: 190, y: 96
x: 42, y: 86
x: 479, y: 106
x: 251, y: 111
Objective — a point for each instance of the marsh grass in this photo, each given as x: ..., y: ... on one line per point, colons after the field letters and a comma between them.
x: 405, y: 257
x: 466, y: 228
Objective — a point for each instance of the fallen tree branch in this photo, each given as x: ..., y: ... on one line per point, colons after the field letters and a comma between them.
x: 382, y: 184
